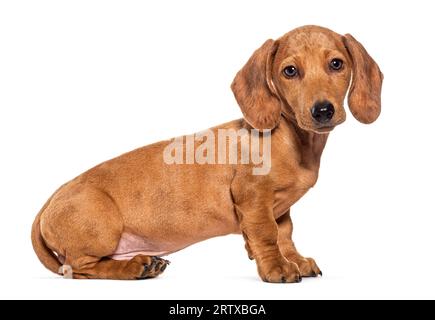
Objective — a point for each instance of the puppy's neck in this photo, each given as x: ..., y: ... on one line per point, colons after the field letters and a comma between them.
x: 311, y: 144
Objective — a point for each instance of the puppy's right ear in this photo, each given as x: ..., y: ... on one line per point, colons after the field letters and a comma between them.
x: 254, y: 90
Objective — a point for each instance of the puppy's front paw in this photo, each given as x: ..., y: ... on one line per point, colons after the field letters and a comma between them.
x: 280, y: 272
x: 308, y: 267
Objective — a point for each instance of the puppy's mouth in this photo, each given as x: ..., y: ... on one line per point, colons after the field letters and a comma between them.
x: 308, y: 124
x: 329, y: 126
x: 320, y: 129
x: 316, y: 129
x: 323, y: 130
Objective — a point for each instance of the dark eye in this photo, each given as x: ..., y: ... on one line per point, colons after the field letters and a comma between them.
x: 290, y: 72
x: 336, y: 64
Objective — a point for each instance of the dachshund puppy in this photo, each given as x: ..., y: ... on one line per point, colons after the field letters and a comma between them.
x: 118, y: 219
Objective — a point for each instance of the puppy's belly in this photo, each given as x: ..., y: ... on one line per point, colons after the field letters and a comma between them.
x: 131, y: 245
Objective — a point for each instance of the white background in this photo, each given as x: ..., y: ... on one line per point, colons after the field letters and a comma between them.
x: 84, y: 81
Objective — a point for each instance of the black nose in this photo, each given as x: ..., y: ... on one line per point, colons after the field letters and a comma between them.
x: 323, y: 111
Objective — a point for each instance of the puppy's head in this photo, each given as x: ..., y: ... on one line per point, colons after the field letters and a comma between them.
x: 305, y: 75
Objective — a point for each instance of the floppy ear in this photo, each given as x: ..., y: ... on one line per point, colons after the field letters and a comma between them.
x: 364, y: 97
x: 254, y: 90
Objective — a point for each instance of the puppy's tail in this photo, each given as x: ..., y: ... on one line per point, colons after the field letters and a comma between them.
x: 45, y: 254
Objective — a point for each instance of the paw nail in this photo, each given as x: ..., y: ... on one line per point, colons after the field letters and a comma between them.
x: 283, y: 280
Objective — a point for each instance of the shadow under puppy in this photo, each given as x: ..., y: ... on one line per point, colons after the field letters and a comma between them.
x: 118, y: 219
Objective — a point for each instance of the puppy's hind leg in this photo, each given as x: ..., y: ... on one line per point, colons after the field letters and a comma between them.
x: 139, y: 267
x: 84, y: 226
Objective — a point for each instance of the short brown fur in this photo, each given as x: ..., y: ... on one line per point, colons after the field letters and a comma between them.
x: 174, y: 206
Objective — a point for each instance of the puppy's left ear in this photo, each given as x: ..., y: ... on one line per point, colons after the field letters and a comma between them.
x: 254, y: 89
x: 364, y: 97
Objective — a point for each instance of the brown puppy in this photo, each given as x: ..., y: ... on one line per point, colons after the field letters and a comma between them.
x: 115, y: 220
